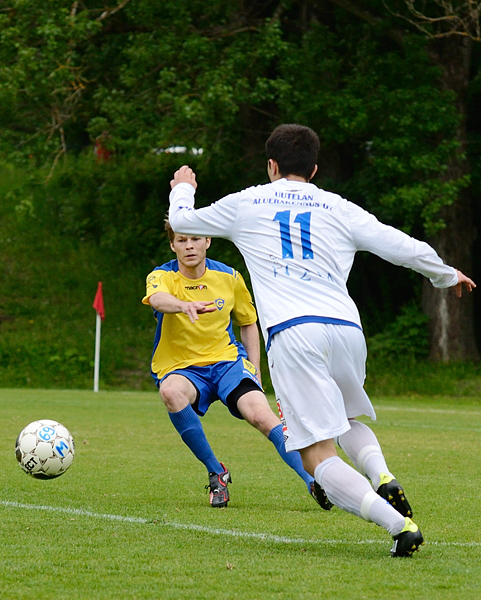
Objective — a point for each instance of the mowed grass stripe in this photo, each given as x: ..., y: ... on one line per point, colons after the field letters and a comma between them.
x: 429, y: 409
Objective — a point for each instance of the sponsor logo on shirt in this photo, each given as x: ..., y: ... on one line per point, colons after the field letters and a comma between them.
x: 201, y: 286
x: 154, y: 280
x: 248, y: 366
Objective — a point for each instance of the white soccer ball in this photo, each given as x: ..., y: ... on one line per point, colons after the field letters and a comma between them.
x: 45, y: 449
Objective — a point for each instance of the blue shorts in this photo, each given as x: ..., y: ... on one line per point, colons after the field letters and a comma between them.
x: 217, y: 381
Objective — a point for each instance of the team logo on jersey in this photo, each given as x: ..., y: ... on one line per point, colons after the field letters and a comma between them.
x: 219, y: 303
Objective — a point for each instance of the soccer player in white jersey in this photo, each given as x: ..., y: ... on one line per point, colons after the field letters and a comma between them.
x: 197, y: 359
x: 299, y: 242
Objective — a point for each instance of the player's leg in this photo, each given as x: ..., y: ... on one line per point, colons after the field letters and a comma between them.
x: 350, y: 491
x: 345, y: 487
x: 313, y: 406
x: 347, y: 368
x: 362, y: 447
x: 255, y: 409
x: 178, y: 394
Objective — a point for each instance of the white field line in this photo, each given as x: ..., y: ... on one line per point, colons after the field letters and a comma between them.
x: 267, y: 537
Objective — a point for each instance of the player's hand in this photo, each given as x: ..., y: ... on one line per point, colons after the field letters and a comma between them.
x: 184, y: 175
x: 194, y: 309
x: 463, y: 279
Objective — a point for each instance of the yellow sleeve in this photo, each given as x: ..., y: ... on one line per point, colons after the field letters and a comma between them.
x: 157, y: 281
x: 244, y: 311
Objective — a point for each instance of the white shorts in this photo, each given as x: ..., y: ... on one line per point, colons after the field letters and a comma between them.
x: 318, y: 372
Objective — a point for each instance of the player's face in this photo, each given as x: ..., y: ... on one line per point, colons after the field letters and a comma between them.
x: 191, y: 250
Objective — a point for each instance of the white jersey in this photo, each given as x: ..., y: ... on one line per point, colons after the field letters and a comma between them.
x: 299, y: 243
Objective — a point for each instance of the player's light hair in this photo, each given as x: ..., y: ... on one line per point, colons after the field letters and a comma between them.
x: 295, y: 149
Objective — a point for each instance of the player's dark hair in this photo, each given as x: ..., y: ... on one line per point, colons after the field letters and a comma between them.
x: 168, y: 229
x: 295, y: 149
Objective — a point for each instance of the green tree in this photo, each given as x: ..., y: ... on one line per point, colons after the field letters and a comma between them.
x: 449, y: 30
x: 43, y: 75
x: 389, y: 104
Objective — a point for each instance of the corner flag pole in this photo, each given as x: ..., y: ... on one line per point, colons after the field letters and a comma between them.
x: 99, y: 307
x: 98, y: 327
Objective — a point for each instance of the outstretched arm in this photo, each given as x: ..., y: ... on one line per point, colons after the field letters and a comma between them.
x: 166, y: 303
x: 462, y: 278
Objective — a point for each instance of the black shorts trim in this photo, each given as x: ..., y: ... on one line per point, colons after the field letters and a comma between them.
x: 245, y: 386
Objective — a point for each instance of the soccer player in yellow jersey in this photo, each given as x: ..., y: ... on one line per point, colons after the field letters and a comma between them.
x: 197, y: 359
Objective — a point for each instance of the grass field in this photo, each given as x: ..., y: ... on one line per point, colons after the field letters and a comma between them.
x: 131, y: 520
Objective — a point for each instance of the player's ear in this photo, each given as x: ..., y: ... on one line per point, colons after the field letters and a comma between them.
x: 208, y: 242
x: 272, y: 168
x: 313, y: 172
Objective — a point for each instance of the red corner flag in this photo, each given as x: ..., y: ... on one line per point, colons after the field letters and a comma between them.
x: 99, y: 302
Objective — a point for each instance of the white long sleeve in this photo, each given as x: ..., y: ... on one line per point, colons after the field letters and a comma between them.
x: 299, y: 243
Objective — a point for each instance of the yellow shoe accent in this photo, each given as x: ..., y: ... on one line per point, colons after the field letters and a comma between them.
x: 409, y: 525
x: 408, y: 541
x: 391, y: 490
x: 384, y: 478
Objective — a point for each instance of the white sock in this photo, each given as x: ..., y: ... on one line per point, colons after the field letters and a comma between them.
x: 361, y: 446
x: 393, y: 523
x: 349, y: 490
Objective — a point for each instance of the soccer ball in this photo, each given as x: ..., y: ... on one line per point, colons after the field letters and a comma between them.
x: 45, y: 449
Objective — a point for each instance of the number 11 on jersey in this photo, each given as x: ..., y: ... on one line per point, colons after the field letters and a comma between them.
x: 304, y: 221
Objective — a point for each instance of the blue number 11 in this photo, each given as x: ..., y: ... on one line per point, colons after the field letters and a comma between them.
x: 304, y: 220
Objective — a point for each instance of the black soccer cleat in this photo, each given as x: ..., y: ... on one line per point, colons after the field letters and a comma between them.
x: 408, y: 541
x: 391, y: 490
x: 219, y: 494
x: 320, y: 496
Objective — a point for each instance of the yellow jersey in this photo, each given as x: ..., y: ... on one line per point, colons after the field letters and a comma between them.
x: 178, y: 342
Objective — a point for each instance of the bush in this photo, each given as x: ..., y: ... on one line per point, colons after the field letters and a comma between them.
x: 406, y: 338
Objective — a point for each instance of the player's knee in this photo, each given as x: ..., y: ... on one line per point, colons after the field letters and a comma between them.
x: 263, y: 420
x: 173, y: 396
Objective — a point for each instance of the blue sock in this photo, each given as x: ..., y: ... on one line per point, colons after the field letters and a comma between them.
x: 188, y: 424
x: 293, y: 459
